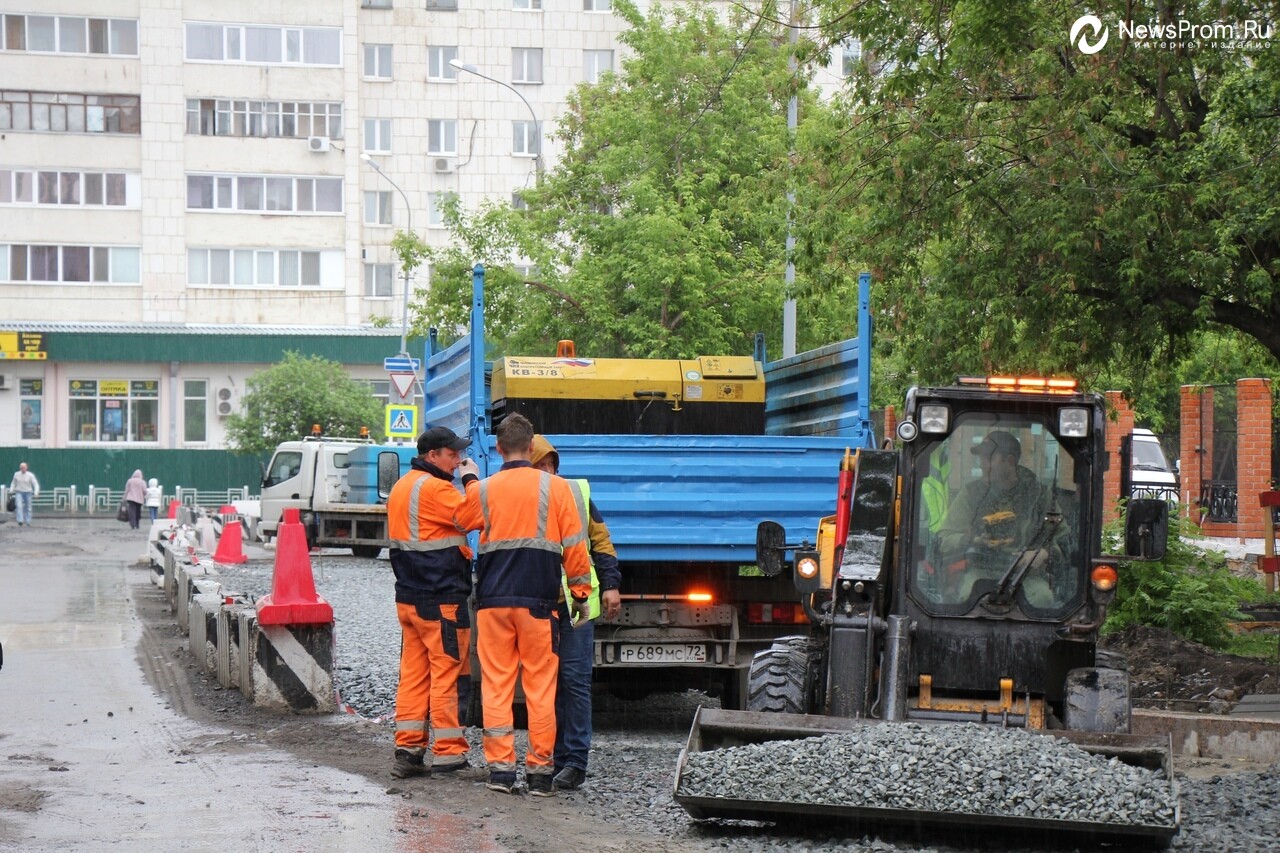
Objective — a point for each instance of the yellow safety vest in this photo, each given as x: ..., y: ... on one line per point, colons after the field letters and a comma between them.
x: 582, y: 497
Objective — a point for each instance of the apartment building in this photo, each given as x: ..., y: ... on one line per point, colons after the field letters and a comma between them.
x: 205, y: 170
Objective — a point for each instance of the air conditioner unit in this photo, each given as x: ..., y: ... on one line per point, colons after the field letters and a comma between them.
x: 226, y: 402
x: 318, y: 144
x: 443, y: 165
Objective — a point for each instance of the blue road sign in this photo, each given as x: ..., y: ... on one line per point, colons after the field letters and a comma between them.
x: 401, y: 364
x: 402, y: 422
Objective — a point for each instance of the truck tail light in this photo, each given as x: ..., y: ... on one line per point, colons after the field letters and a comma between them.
x: 700, y: 598
x: 782, y: 613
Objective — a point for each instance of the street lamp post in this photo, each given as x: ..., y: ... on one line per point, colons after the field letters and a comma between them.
x: 537, y: 125
x: 404, y: 321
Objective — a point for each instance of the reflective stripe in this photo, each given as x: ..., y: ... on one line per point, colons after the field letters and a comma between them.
x: 544, y: 503
x: 484, y: 505
x: 414, y: 522
x: 450, y: 732
x: 411, y: 725
x: 579, y: 579
x: 500, y: 732
x: 502, y: 767
x: 576, y: 539
x: 513, y: 544
x: 432, y: 545
x: 582, y: 500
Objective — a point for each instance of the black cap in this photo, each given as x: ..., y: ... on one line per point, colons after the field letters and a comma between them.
x: 998, y: 441
x: 440, y: 437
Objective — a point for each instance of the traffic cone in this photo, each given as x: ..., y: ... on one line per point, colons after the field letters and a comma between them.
x: 230, y: 545
x: 293, y: 599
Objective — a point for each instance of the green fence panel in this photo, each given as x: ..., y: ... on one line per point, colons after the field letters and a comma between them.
x: 110, y: 467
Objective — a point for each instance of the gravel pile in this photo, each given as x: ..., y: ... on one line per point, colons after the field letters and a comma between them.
x: 966, y: 769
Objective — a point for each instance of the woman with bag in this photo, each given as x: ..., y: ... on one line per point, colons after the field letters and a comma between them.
x: 135, y: 492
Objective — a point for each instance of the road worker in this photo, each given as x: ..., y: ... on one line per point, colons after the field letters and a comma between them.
x: 432, y: 565
x: 531, y: 529
x: 577, y: 642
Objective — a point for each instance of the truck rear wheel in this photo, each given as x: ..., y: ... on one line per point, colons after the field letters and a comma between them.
x: 777, y: 681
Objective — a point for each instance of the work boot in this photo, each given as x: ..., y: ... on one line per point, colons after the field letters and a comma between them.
x: 461, y: 770
x: 502, y: 781
x: 540, y: 785
x: 408, y: 764
x: 569, y: 779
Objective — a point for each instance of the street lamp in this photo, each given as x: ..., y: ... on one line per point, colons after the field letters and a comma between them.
x: 537, y: 125
x: 404, y: 322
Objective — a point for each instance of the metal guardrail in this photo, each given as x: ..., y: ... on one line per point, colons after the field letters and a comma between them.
x: 1168, y: 494
x: 96, y: 500
x: 1220, y: 500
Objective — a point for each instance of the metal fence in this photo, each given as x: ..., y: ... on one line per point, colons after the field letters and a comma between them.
x: 95, y: 500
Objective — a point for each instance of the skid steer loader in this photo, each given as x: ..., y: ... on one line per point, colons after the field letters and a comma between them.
x: 960, y: 579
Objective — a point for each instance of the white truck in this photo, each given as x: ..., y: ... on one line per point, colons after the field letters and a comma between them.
x: 339, y: 485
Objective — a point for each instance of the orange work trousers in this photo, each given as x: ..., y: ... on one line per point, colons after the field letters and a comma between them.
x: 513, y: 643
x: 433, y: 656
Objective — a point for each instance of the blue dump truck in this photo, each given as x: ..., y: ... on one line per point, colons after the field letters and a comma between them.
x: 685, y: 458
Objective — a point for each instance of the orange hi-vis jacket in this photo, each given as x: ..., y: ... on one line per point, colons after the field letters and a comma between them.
x: 429, y: 550
x: 531, y: 527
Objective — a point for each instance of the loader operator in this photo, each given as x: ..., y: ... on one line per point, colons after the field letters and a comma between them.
x: 432, y: 565
x: 994, y: 518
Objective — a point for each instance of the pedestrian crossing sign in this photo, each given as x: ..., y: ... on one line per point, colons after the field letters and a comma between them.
x: 402, y: 422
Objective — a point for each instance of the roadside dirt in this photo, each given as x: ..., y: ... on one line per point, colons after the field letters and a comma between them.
x: 1174, y: 674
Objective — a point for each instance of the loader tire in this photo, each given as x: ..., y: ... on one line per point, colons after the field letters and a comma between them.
x: 1107, y: 659
x: 367, y: 552
x: 1097, y: 700
x: 776, y: 681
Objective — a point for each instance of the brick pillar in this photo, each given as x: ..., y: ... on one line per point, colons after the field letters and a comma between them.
x: 1196, y: 445
x: 890, y: 425
x: 1121, y: 424
x: 1253, y: 454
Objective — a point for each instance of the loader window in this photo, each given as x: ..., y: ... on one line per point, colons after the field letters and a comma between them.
x: 996, y: 502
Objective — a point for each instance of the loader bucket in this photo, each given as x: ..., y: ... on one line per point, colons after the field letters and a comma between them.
x: 715, y: 729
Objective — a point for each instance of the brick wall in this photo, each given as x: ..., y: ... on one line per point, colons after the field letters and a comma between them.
x: 1253, y: 453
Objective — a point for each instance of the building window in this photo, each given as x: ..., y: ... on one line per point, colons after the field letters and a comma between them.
x: 31, y: 403
x: 436, y: 204
x: 375, y: 4
x: 377, y: 61
x: 113, y: 409
x: 526, y: 138
x: 518, y: 202
x: 67, y: 112
x: 378, y: 280
x: 66, y: 34
x: 850, y: 56
x: 597, y: 5
x: 442, y: 136
x: 195, y: 410
x: 377, y: 135
x: 70, y: 264
x: 88, y: 189
x: 595, y: 63
x: 272, y: 193
x: 438, y: 67
x: 264, y: 267
x: 526, y: 5
x: 291, y: 119
x: 526, y: 65
x: 442, y: 5
x: 377, y: 207
x: 254, y: 44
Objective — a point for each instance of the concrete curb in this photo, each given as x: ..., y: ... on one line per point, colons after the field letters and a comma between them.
x: 1213, y: 735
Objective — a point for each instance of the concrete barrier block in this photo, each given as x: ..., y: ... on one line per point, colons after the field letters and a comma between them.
x: 1212, y: 735
x: 293, y: 668
x: 229, y: 643
x: 170, y: 584
x: 188, y: 577
x: 203, y: 619
x: 247, y: 618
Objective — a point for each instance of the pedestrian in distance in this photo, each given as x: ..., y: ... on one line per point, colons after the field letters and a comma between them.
x: 432, y: 565
x: 153, y: 495
x: 532, y: 538
x: 25, y: 489
x: 135, y: 492
x: 577, y: 641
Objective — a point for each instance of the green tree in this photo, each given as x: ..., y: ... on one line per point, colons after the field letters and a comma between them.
x: 1032, y: 207
x: 661, y: 232
x: 285, y: 400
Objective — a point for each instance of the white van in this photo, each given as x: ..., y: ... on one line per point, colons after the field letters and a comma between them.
x: 1150, y: 473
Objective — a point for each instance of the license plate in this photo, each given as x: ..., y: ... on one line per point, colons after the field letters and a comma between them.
x: 668, y: 653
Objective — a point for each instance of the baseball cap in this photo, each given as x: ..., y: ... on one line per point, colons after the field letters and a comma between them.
x: 998, y: 440
x: 440, y: 437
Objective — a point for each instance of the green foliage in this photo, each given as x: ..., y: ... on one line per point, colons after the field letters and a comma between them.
x: 1029, y: 207
x: 1190, y: 592
x: 285, y: 400
x: 661, y: 233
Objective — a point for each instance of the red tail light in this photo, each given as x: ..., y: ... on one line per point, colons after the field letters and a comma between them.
x: 785, y: 613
